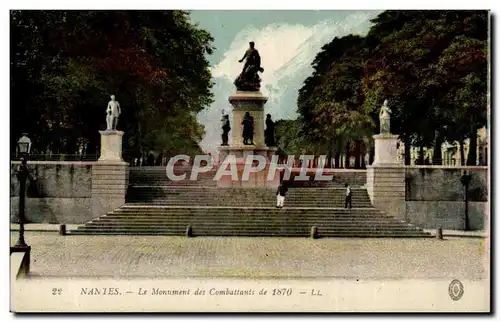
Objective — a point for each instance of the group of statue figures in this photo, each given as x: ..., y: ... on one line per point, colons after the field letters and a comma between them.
x: 249, y: 79
x: 248, y: 130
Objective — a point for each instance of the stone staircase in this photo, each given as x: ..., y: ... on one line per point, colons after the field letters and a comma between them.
x: 156, y: 206
x: 138, y: 219
x: 157, y: 176
x: 244, y: 197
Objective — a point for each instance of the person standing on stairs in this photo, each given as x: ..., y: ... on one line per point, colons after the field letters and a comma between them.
x: 280, y: 195
x: 348, y: 196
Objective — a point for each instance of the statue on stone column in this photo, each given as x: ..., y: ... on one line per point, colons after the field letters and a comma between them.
x: 249, y: 79
x: 113, y: 111
x: 226, y: 127
x: 247, y: 129
x: 385, y: 118
x: 269, y: 132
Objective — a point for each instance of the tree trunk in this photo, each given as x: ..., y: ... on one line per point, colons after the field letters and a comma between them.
x: 328, y: 161
x: 437, y: 157
x: 462, y: 153
x: 407, y: 151
x: 363, y: 156
x: 472, y: 155
x: 347, y: 156
x: 421, y: 155
x: 337, y: 159
x: 357, y: 154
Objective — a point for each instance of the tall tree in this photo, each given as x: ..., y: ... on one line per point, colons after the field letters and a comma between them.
x: 330, y: 102
x: 153, y: 61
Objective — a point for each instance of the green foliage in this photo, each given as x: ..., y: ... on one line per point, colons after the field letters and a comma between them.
x: 430, y: 65
x: 65, y: 64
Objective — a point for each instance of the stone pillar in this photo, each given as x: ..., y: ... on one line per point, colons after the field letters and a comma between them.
x: 385, y: 181
x: 109, y: 186
x: 252, y: 102
x: 109, y: 175
x: 386, y: 187
x: 386, y: 149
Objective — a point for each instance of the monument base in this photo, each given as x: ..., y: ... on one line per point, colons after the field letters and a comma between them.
x: 111, y: 146
x: 259, y: 179
x: 386, y: 150
x: 385, y: 178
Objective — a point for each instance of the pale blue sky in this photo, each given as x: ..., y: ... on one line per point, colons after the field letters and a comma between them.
x: 287, y: 41
x: 224, y: 25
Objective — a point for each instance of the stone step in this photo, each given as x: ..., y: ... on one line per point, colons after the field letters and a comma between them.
x: 242, y: 209
x: 257, y: 230
x: 257, y: 218
x: 270, y: 194
x: 198, y: 228
x: 294, y: 189
x: 287, y: 204
x: 352, y: 234
x: 247, y: 194
x: 243, y: 199
x: 243, y: 216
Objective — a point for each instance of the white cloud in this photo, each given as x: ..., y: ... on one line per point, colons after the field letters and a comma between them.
x: 287, y: 52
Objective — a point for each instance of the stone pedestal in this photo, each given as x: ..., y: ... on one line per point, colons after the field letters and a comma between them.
x: 109, y: 175
x: 111, y: 146
x: 386, y: 149
x: 386, y: 187
x: 252, y: 102
x: 256, y: 179
x: 385, y: 181
x: 109, y: 186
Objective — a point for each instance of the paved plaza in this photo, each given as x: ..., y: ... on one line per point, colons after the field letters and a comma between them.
x: 165, y: 257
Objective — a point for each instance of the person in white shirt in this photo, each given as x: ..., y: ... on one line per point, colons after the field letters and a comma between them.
x: 280, y: 195
x: 348, y: 196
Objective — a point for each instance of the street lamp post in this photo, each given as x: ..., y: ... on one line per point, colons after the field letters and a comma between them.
x: 22, y: 176
x: 465, y: 180
x: 24, y: 148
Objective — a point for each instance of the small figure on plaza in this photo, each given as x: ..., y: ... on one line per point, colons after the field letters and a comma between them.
x: 269, y: 132
x: 249, y: 79
x: 226, y: 127
x: 247, y: 129
x: 385, y: 118
x: 113, y: 111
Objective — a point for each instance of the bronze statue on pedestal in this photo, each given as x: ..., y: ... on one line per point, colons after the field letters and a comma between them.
x: 249, y: 79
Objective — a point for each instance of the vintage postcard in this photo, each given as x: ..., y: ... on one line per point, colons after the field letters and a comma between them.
x: 250, y: 161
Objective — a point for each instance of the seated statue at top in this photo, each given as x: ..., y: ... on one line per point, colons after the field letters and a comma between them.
x: 249, y: 79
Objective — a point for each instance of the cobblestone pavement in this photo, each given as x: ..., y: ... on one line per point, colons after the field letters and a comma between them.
x: 163, y: 257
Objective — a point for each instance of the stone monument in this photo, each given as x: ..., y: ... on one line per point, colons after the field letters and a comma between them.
x: 386, y: 144
x: 248, y: 123
x: 111, y: 138
x: 385, y: 181
x: 110, y: 172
